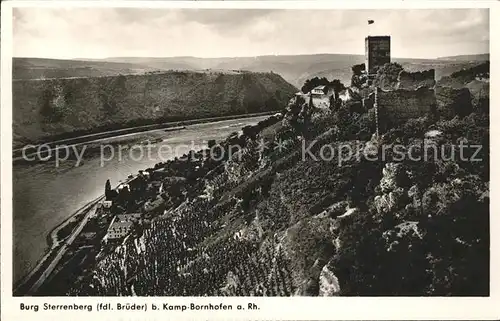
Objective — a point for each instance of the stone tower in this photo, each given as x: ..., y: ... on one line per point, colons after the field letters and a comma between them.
x: 377, y: 52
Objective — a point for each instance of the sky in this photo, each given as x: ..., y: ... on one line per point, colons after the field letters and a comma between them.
x: 162, y: 32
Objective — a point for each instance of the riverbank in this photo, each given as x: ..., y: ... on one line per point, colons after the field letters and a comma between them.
x: 66, y: 190
x: 31, y: 282
x: 25, y: 285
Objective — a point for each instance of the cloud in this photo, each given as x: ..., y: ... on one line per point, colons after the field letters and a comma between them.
x: 104, y: 32
x: 220, y: 19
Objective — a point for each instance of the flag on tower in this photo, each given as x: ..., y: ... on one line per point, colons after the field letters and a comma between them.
x: 370, y: 22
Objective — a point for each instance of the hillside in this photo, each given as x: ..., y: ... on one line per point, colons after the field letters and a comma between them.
x: 271, y: 222
x: 462, y: 77
x: 293, y: 68
x: 480, y: 57
x: 40, y: 68
x: 46, y: 108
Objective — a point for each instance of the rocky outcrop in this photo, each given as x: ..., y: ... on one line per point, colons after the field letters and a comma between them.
x: 388, y: 202
x: 328, y: 283
x: 393, y: 176
x: 335, y: 210
x: 405, y: 230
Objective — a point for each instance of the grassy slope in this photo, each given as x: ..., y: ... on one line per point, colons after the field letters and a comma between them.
x: 39, y: 68
x: 50, y: 107
x: 278, y: 207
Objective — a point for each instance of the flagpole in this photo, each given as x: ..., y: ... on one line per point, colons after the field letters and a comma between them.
x: 370, y: 22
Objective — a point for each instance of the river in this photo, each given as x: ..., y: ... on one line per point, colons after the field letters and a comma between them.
x: 44, y: 194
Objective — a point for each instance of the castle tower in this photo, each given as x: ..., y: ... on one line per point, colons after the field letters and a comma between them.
x: 377, y: 52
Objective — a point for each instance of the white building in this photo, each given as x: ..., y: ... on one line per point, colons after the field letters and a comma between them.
x: 319, y: 91
x: 122, y: 225
x: 122, y: 186
x: 107, y: 204
x: 118, y: 230
x: 129, y: 217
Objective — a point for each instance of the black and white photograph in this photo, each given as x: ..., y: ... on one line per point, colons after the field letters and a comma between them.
x: 250, y: 152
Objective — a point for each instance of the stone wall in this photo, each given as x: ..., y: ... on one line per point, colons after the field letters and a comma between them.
x: 398, y: 106
x: 414, y: 80
x: 480, y: 93
x: 322, y: 102
x: 368, y: 101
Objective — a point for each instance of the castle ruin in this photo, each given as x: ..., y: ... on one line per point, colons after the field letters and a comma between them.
x: 414, y: 80
x: 396, y: 106
x: 411, y: 96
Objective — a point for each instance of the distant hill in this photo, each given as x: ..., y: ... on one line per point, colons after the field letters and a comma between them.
x: 293, y: 68
x: 46, y: 108
x: 41, y: 68
x: 479, y: 57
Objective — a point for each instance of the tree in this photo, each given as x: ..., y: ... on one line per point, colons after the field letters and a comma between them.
x: 52, y: 104
x: 337, y: 86
x: 333, y: 103
x: 123, y: 196
x: 314, y: 82
x: 107, y: 190
x: 358, y: 69
x: 358, y: 77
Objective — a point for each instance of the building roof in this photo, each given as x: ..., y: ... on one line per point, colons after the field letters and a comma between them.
x: 107, y: 204
x: 433, y: 133
x: 127, y: 216
x: 174, y: 179
x: 119, y: 224
x: 378, y: 37
x: 322, y: 87
x: 123, y: 186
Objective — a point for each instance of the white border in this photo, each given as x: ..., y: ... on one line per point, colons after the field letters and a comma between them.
x: 296, y: 308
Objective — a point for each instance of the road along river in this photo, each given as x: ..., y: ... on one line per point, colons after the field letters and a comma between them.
x: 44, y: 194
